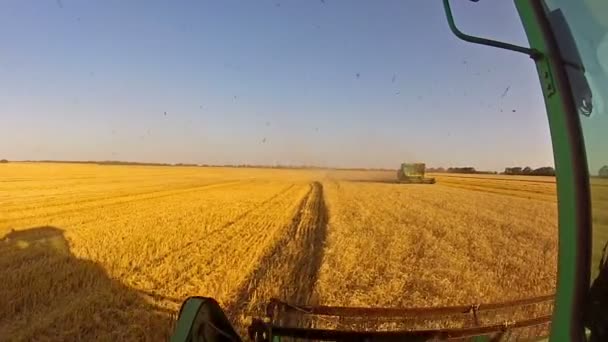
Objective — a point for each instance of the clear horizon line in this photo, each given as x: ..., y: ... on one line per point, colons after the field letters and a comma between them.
x: 310, y: 166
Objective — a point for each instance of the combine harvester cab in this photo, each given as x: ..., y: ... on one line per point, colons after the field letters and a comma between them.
x: 413, y: 173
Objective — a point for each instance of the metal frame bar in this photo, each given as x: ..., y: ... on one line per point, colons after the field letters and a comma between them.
x: 573, y: 193
x: 269, y: 331
x: 343, y: 311
x: 484, y: 41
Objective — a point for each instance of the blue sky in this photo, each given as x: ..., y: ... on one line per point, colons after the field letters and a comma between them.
x: 333, y: 83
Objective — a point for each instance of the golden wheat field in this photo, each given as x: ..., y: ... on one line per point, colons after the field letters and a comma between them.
x: 109, y: 252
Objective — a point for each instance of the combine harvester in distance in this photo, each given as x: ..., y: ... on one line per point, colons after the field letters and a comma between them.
x: 413, y: 174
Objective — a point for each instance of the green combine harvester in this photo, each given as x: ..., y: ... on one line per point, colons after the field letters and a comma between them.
x: 566, y: 39
x: 413, y: 174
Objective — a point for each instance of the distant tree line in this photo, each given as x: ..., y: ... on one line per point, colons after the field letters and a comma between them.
x: 545, y: 171
x: 118, y: 162
x: 185, y: 164
x: 3, y: 161
x: 528, y: 171
x: 466, y: 169
x: 103, y: 162
x: 517, y: 170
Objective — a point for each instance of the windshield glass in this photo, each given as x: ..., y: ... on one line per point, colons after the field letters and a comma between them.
x: 322, y: 152
x: 588, y: 22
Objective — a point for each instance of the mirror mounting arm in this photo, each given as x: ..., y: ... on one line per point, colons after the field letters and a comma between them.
x: 533, y: 53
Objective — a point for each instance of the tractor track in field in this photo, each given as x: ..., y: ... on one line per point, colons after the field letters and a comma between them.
x: 289, y: 270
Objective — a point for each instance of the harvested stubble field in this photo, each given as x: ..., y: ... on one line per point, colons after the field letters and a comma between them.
x: 109, y: 252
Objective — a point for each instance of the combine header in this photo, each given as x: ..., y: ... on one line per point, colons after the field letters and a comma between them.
x: 413, y: 174
x: 202, y: 319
